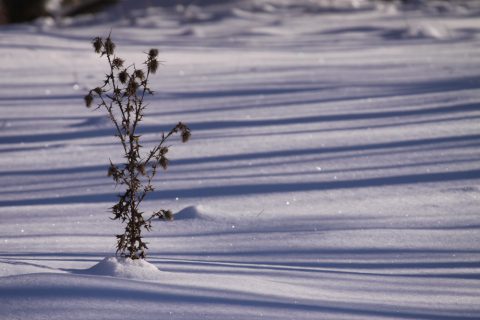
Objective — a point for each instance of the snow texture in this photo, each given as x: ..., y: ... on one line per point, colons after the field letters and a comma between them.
x: 125, y: 268
x: 333, y: 171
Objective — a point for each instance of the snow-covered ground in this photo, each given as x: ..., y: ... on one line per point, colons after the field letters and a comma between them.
x: 333, y: 173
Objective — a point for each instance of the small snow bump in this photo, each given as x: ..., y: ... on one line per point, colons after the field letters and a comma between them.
x: 192, y: 212
x: 125, y: 268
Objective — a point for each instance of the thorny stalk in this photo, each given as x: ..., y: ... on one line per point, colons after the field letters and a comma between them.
x: 122, y: 96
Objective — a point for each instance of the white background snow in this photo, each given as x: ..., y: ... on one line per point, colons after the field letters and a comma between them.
x: 333, y: 171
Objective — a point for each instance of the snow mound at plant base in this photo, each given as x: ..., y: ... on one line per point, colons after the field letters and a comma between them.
x: 192, y: 212
x: 125, y: 268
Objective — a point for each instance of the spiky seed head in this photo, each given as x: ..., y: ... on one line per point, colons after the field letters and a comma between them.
x: 153, y: 53
x: 181, y: 126
x: 109, y: 46
x: 117, y: 63
x: 186, y: 135
x: 163, y: 162
x: 88, y: 100
x: 152, y: 65
x: 139, y: 74
x: 132, y: 87
x: 184, y: 131
x: 163, y: 151
x: 123, y: 76
x: 98, y: 90
x: 97, y: 44
x: 168, y: 215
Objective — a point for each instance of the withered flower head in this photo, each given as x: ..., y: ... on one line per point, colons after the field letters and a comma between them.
x: 123, y: 76
x: 109, y: 46
x: 97, y: 44
x: 181, y: 126
x: 132, y: 87
x: 98, y: 90
x: 152, y: 65
x: 168, y: 215
x: 153, y: 53
x: 139, y: 74
x: 186, y: 135
x: 163, y: 151
x: 163, y: 162
x: 88, y: 100
x: 117, y: 63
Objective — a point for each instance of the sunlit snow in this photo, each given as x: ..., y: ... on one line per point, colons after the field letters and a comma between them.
x: 333, y: 171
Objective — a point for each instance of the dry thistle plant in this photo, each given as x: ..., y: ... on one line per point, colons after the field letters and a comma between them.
x: 122, y: 96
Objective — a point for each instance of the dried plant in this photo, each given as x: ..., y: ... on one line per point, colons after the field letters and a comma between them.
x: 122, y: 96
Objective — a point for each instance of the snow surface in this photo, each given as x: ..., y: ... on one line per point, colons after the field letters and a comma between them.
x: 333, y: 171
x: 125, y: 268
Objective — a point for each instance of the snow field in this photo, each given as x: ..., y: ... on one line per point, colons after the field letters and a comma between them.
x: 333, y: 171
